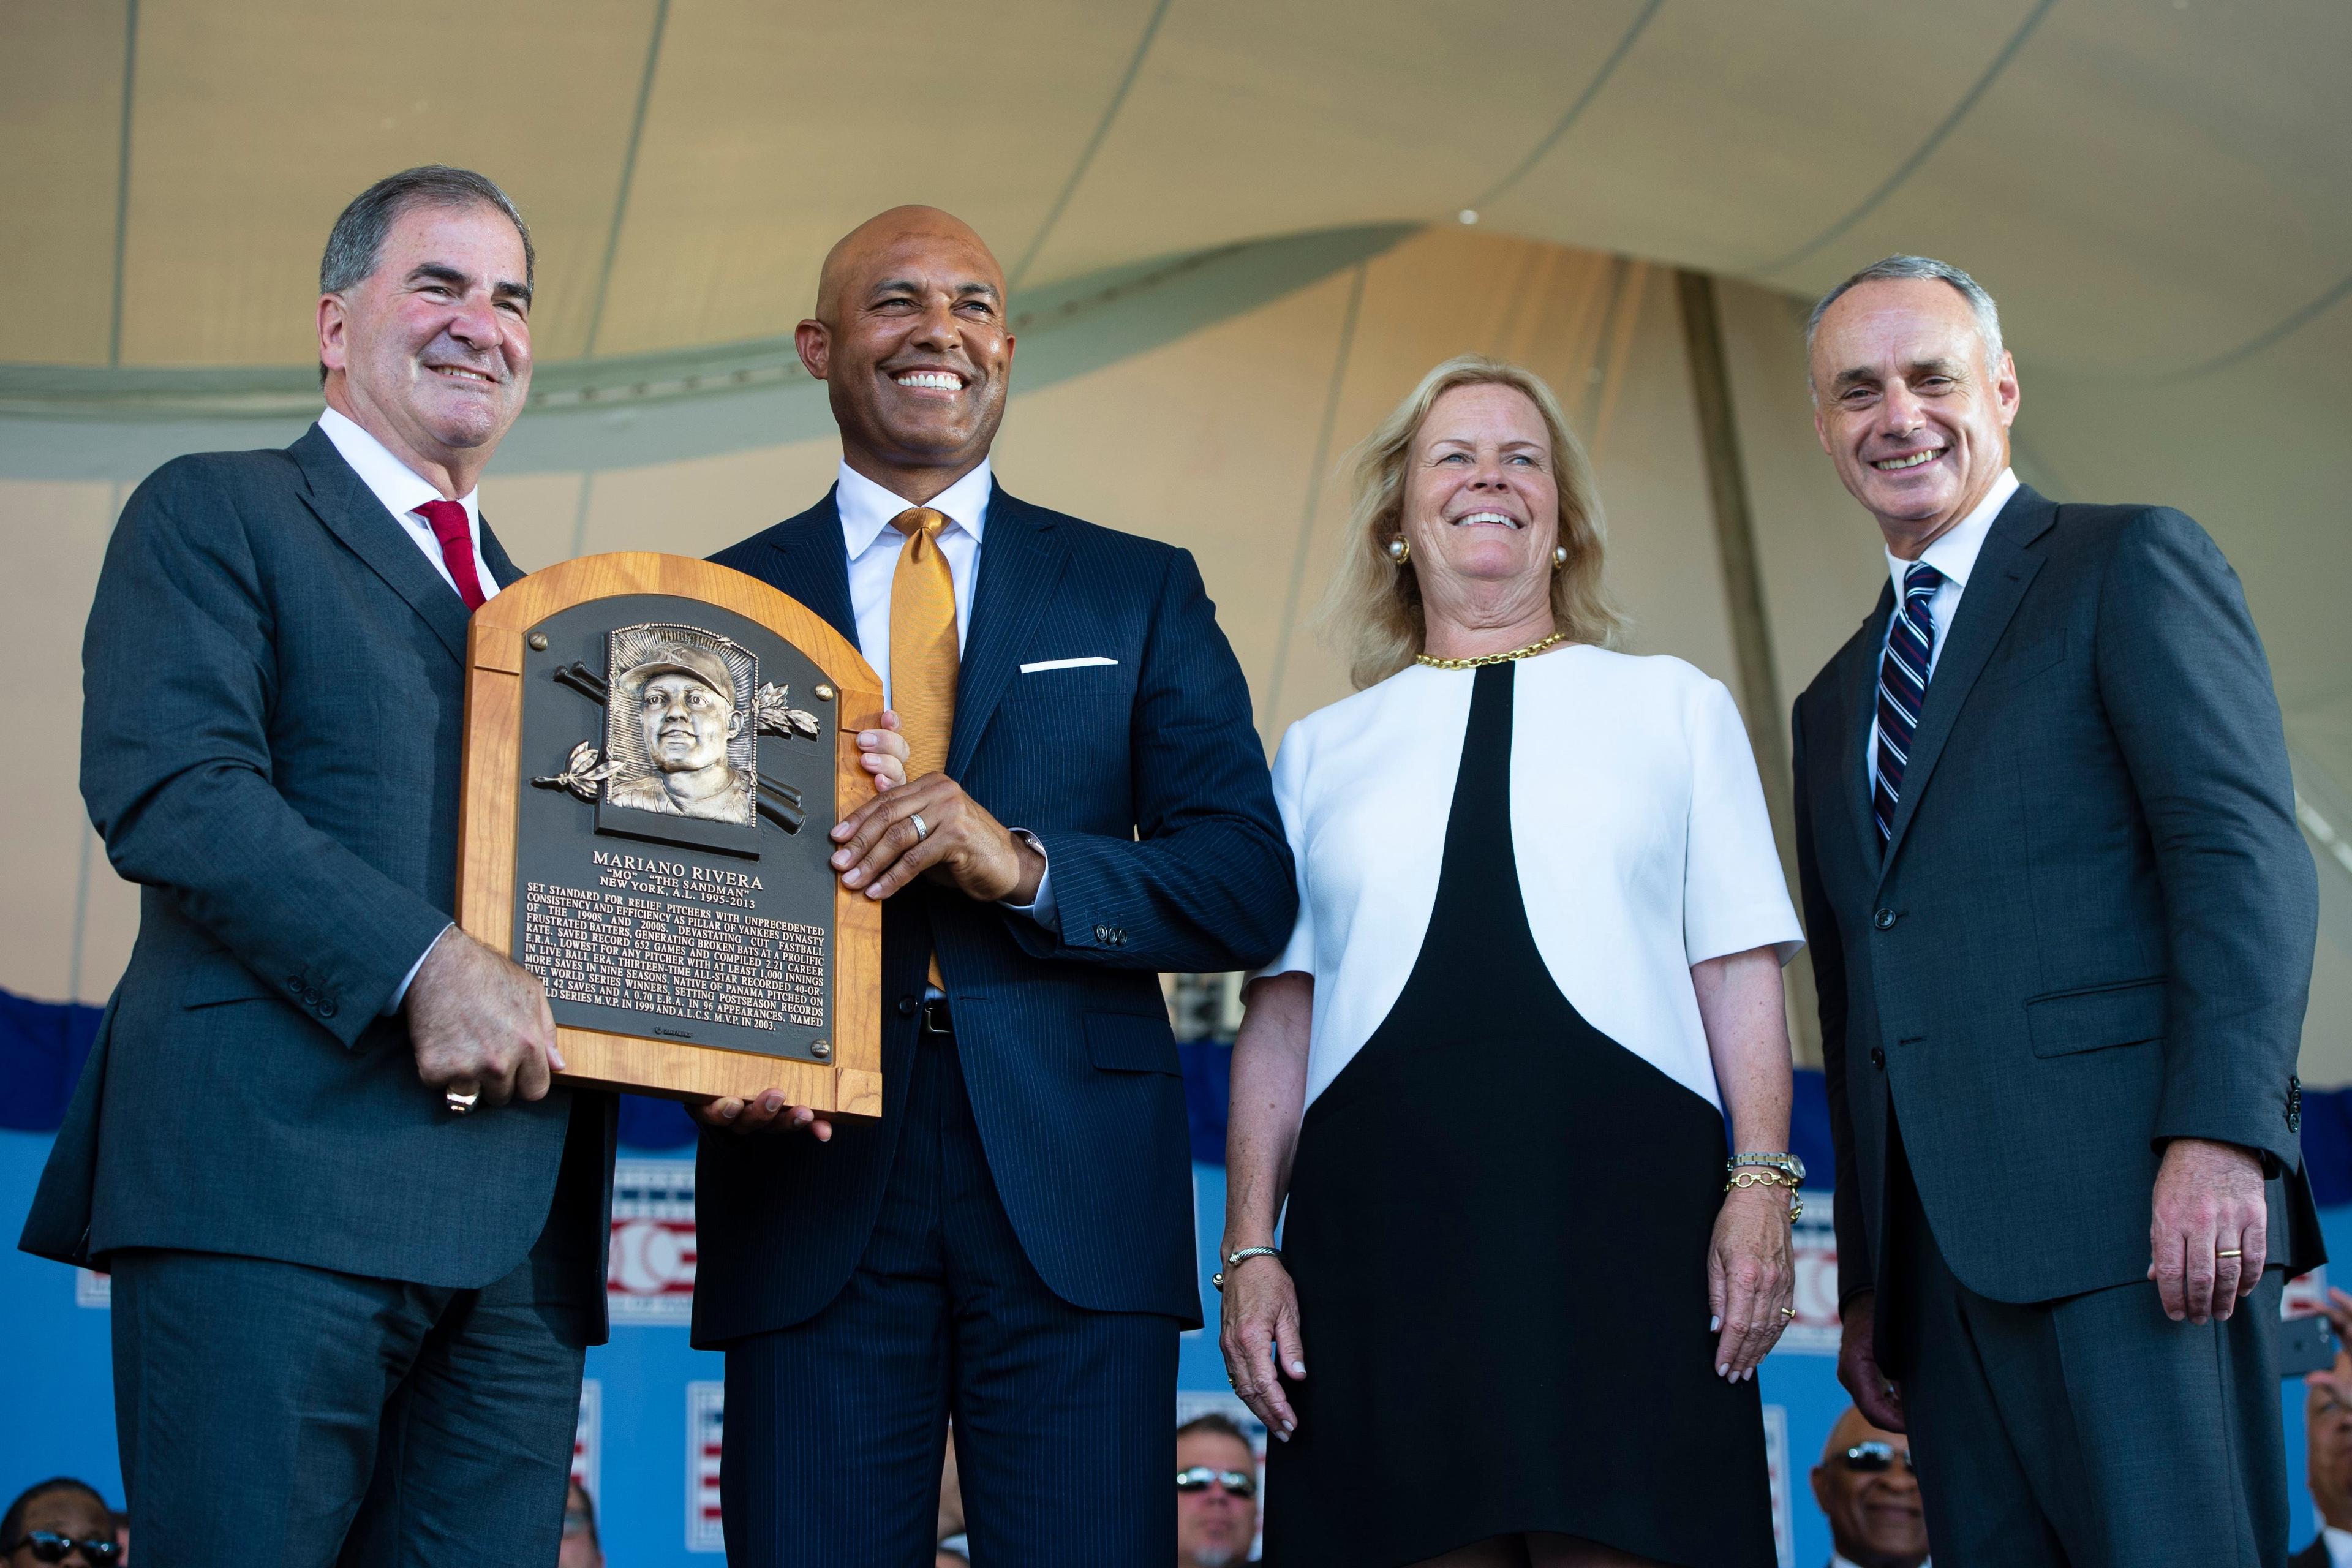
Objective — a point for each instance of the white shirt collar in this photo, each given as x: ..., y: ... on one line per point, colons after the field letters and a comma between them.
x: 2339, y: 1545
x: 1955, y: 551
x: 866, y: 508
x: 393, y: 482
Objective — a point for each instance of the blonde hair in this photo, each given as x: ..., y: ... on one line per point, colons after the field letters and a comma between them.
x: 1372, y: 613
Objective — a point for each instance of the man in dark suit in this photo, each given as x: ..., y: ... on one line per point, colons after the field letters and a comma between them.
x: 349, y: 1317
x: 2062, y: 921
x: 1012, y: 1244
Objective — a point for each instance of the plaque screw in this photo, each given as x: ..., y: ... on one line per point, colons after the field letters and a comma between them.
x: 820, y: 1050
x: 538, y: 641
x: 824, y: 692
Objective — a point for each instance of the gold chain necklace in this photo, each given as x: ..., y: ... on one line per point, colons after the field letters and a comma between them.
x: 1533, y: 648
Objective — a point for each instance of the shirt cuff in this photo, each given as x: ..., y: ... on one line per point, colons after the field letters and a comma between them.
x: 400, y: 991
x: 1041, y: 909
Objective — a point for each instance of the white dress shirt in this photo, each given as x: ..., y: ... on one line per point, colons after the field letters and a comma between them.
x: 402, y: 491
x: 1954, y: 554
x: 874, y: 546
x: 2339, y: 1546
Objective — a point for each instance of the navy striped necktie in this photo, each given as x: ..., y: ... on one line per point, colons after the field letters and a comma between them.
x: 1903, y: 688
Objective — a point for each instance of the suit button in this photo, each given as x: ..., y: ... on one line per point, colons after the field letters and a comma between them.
x: 327, y: 1008
x: 1879, y: 1056
x: 1102, y: 933
x: 1883, y: 919
x: 907, y: 1005
x: 1119, y: 936
x: 294, y: 983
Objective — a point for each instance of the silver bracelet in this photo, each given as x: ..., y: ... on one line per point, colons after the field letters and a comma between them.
x: 1218, y: 1278
x: 1787, y: 1165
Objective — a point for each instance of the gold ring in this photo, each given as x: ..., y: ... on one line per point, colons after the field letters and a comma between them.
x: 2232, y: 1252
x: 1788, y: 1311
x: 459, y: 1104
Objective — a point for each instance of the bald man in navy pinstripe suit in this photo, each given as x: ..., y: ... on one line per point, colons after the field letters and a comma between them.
x: 1012, y: 1244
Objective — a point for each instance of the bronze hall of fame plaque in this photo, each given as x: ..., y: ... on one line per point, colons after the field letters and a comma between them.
x: 655, y: 748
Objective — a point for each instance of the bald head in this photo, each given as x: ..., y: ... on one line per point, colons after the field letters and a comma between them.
x: 865, y: 252
x: 910, y: 339
x: 1873, y: 1510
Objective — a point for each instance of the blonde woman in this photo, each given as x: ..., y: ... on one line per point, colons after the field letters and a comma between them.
x: 1537, y: 962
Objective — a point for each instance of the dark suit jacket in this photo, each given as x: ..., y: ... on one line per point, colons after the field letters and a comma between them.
x: 2312, y: 1556
x: 272, y: 727
x: 2091, y: 929
x: 1148, y: 787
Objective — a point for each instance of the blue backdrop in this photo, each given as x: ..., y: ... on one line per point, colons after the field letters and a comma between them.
x: 652, y: 1419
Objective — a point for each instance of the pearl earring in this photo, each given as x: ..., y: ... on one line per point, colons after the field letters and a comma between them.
x: 1399, y: 550
x: 1559, y: 556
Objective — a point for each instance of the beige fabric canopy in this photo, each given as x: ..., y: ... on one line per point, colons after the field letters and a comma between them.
x: 1237, y: 234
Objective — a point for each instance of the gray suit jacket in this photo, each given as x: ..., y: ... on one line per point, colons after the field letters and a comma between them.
x: 2091, y: 929
x: 272, y: 719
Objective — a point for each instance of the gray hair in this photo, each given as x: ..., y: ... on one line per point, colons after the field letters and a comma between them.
x: 355, y: 245
x: 1980, y: 305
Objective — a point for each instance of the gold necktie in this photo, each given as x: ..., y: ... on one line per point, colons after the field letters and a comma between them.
x: 924, y: 657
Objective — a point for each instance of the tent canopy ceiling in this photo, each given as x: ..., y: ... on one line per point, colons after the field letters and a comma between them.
x: 2150, y: 186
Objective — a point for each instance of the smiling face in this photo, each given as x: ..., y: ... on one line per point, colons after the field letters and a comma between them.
x: 909, y: 338
x: 686, y: 725
x: 2328, y: 1427
x: 430, y: 353
x: 1907, y: 407
x: 1875, y: 1515
x: 1213, y: 1527
x: 1482, y: 505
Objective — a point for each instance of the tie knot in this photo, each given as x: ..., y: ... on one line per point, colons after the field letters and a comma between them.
x: 920, y: 519
x: 448, y: 518
x: 1921, y: 579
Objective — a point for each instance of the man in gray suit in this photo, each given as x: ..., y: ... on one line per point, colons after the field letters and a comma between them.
x: 356, y: 1240
x: 2062, y: 922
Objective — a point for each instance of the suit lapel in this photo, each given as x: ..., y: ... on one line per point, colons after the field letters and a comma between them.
x: 503, y: 570
x: 1996, y: 584
x: 807, y: 558
x: 353, y: 514
x: 1021, y: 560
x: 1858, y: 694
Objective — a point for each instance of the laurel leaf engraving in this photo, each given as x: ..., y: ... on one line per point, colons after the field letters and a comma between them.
x: 582, y: 773
x: 777, y: 717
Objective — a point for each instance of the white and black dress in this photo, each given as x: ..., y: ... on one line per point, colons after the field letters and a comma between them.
x: 1512, y: 1154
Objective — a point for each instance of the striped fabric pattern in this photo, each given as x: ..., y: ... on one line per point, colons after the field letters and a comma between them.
x: 1902, y: 688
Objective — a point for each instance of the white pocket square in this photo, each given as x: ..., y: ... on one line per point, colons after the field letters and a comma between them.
x: 1043, y: 664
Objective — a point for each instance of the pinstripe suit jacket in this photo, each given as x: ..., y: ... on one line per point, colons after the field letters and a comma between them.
x: 1147, y: 784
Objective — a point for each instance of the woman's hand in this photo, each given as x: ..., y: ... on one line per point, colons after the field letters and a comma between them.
x: 1260, y: 1317
x: 1750, y: 1278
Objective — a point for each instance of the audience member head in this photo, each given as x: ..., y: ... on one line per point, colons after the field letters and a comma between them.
x: 1474, y: 502
x: 582, y: 1548
x: 1913, y: 395
x: 911, y: 340
x: 1865, y: 1484
x: 1216, y: 1493
x: 2327, y: 1433
x: 58, y: 1521
x: 424, y: 319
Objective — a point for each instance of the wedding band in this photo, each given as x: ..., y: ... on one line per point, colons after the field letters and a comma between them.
x: 922, y: 831
x: 2233, y: 1252
x: 1788, y: 1311
x: 459, y: 1104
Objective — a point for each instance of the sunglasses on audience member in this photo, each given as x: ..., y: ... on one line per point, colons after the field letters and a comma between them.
x: 1869, y: 1459
x: 49, y: 1546
x: 1239, y: 1483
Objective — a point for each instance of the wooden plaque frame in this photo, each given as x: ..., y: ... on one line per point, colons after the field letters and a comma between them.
x: 850, y: 1083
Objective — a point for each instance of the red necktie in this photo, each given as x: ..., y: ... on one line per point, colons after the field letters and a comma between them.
x: 448, y: 520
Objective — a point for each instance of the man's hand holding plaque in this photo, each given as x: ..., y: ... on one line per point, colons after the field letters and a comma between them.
x: 480, y: 1025
x: 882, y: 754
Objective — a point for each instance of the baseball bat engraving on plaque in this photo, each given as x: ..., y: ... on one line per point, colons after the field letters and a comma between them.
x: 655, y: 749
